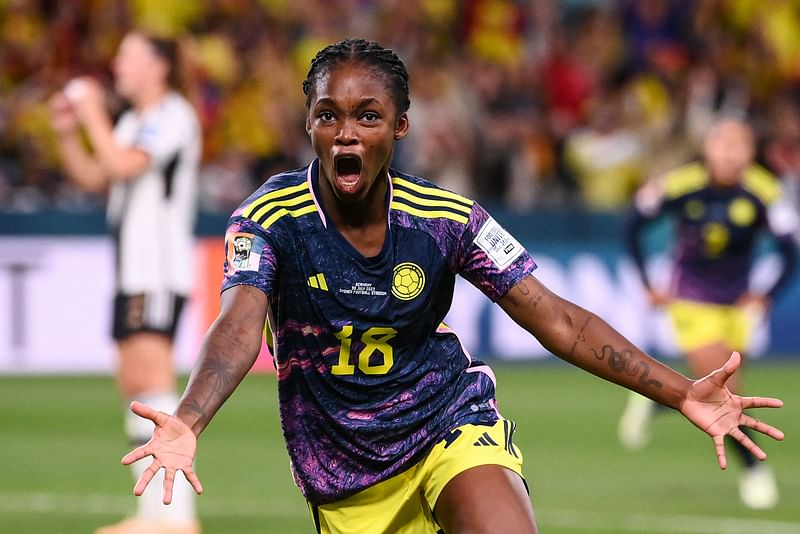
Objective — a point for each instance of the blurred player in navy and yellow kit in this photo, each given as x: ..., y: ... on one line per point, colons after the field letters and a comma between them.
x: 722, y: 205
x: 391, y: 426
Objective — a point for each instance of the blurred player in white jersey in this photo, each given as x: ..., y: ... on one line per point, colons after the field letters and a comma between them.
x: 149, y: 163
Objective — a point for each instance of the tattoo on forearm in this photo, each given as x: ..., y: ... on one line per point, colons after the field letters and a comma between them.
x: 580, y: 337
x: 525, y: 290
x: 219, y: 376
x: 622, y: 362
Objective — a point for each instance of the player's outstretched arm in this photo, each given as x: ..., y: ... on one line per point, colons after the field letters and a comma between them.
x: 583, y: 339
x: 229, y: 351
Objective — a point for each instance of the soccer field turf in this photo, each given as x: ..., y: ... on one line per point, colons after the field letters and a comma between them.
x: 62, y: 440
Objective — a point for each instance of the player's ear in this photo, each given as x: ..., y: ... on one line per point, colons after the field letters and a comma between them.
x: 401, y: 127
x: 308, y: 124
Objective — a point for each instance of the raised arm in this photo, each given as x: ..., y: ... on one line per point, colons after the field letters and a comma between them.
x: 108, y: 160
x: 81, y: 167
x: 118, y: 162
x: 583, y: 339
x: 229, y: 351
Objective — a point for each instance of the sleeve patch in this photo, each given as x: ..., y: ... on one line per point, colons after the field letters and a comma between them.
x: 244, y: 251
x: 498, y: 244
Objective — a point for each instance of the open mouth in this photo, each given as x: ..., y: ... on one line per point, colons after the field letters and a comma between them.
x: 348, y: 169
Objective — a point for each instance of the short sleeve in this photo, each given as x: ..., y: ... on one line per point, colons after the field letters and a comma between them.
x: 489, y: 257
x: 250, y: 258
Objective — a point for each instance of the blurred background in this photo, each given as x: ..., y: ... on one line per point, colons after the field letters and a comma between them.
x: 528, y: 104
x: 550, y: 113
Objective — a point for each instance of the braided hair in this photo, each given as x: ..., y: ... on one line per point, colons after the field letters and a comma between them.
x: 370, y: 53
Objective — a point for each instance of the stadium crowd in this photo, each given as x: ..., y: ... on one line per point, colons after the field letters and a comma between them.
x: 531, y: 104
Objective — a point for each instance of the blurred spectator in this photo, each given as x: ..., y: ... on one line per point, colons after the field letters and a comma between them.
x: 782, y: 148
x: 606, y: 157
x: 512, y: 96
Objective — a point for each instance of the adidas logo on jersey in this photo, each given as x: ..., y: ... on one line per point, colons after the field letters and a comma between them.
x: 318, y: 282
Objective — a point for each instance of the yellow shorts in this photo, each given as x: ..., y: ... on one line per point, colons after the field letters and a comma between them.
x: 699, y: 324
x: 403, y: 503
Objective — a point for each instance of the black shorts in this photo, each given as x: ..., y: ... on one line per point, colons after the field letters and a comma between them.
x: 146, y: 312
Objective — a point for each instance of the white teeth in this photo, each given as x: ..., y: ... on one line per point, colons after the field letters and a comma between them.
x: 349, y: 179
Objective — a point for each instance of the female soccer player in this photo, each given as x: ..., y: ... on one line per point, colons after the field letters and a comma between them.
x: 722, y: 205
x: 149, y: 161
x: 390, y: 425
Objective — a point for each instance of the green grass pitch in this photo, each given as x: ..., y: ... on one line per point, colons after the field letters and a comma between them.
x: 61, y: 440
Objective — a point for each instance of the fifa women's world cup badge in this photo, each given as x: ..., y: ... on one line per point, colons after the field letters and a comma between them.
x: 244, y: 251
x: 408, y: 280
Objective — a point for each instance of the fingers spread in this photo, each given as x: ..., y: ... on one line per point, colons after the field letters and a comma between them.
x: 135, y: 455
x: 748, y: 443
x: 147, y: 476
x: 193, y: 480
x: 720, y: 376
x: 761, y: 426
x: 730, y: 366
x: 143, y: 410
x: 719, y: 446
x: 169, y: 481
x: 761, y: 402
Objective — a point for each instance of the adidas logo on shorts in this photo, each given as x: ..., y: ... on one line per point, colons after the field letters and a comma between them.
x: 485, y: 440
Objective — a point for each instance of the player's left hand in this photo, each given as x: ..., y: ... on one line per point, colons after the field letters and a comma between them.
x: 172, y: 447
x: 712, y: 408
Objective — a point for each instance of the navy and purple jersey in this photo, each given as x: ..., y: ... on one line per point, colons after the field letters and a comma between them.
x: 369, y: 377
x: 717, y: 229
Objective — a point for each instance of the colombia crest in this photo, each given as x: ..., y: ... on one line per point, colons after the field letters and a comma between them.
x: 408, y: 279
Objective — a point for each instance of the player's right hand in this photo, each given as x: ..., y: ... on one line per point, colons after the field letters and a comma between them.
x: 712, y: 408
x: 172, y: 447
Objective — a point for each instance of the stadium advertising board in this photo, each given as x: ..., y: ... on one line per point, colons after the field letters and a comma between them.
x: 55, y: 305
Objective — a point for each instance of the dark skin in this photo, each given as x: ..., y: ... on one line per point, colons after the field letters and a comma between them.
x: 352, y: 114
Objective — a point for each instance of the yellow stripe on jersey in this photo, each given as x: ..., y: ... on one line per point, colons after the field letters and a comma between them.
x: 429, y: 214
x: 427, y: 202
x: 432, y: 191
x: 294, y: 201
x: 762, y: 183
x: 685, y: 179
x: 248, y: 211
x: 298, y: 212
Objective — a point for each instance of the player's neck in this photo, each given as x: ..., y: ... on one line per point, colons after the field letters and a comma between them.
x: 362, y: 223
x: 149, y: 98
